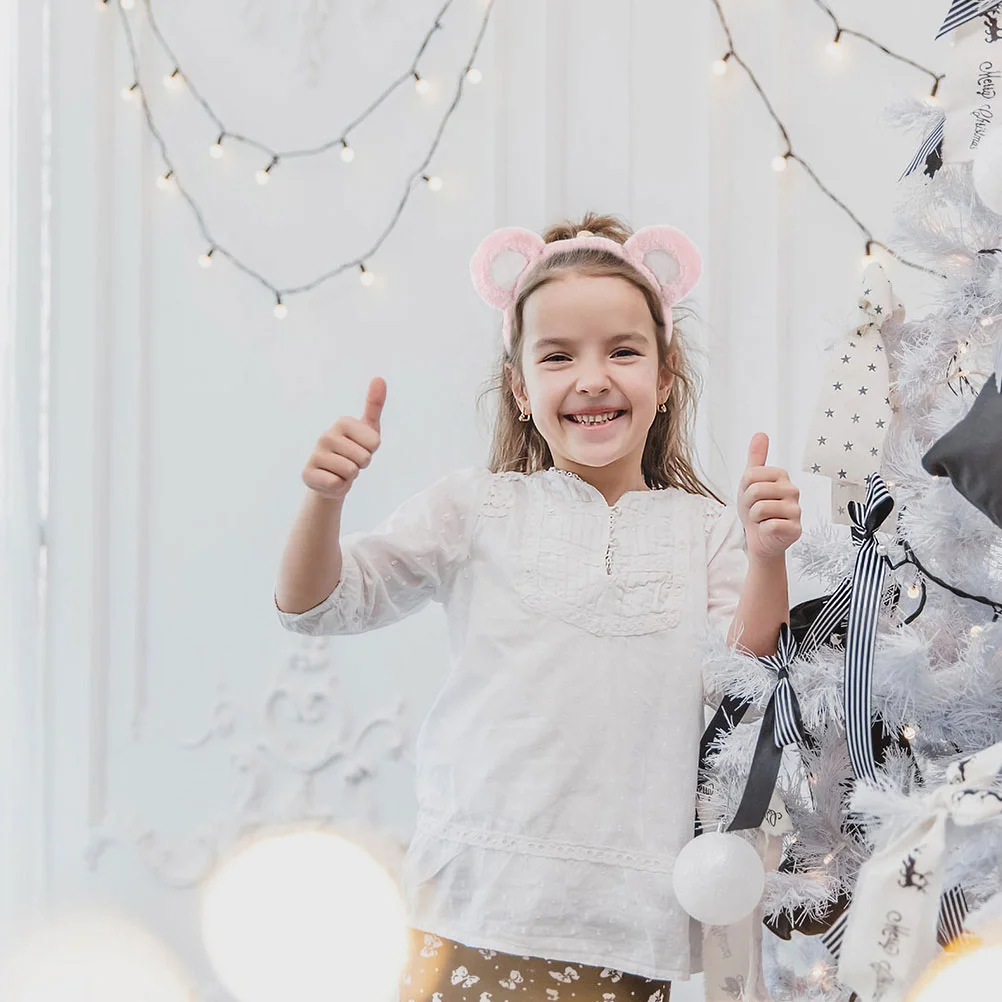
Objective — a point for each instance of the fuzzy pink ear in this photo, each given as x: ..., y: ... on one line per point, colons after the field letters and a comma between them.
x: 670, y: 256
x: 500, y: 260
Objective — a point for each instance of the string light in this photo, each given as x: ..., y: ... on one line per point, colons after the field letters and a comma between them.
x: 128, y: 4
x: 346, y: 152
x: 421, y: 85
x: 173, y: 79
x: 434, y: 183
x: 829, y: 858
x: 909, y: 732
x: 280, y: 310
x: 977, y: 629
x: 779, y: 163
x: 914, y: 591
x: 791, y: 155
x: 264, y: 173
x: 868, y: 257
x: 166, y: 181
x: 835, y: 45
x: 205, y: 260
x: 719, y: 66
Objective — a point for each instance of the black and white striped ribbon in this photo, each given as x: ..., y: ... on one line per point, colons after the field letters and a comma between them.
x: 962, y: 11
x: 931, y: 143
x: 867, y: 590
x: 788, y: 728
x: 781, y: 725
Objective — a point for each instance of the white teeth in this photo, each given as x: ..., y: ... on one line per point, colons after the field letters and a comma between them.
x: 589, y: 419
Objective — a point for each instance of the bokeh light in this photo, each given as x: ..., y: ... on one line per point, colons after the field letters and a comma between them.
x: 91, y: 955
x: 971, y: 973
x: 304, y: 915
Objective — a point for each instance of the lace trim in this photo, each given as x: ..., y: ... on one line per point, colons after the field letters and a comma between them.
x: 551, y: 848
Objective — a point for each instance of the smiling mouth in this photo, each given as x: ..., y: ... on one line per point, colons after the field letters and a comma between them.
x: 595, y: 424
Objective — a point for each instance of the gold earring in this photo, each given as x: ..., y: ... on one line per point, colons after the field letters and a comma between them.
x: 662, y: 407
x: 522, y: 416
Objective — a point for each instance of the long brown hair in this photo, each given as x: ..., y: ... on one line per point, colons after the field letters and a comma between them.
x: 667, y: 459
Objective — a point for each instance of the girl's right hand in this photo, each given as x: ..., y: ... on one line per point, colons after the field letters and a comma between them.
x: 346, y: 447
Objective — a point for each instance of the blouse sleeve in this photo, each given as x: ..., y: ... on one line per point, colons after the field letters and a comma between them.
x: 726, y: 567
x: 410, y: 558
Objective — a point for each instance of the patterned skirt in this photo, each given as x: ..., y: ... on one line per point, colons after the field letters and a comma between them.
x: 439, y: 970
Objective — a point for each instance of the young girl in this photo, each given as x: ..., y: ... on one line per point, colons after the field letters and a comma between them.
x: 557, y: 767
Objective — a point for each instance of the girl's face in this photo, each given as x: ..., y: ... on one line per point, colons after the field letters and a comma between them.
x: 589, y: 342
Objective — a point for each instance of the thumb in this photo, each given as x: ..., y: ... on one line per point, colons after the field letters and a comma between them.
x: 758, y: 449
x: 374, y: 401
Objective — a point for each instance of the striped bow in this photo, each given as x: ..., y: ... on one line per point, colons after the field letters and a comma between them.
x: 862, y: 594
x: 781, y: 726
x: 962, y: 11
x: 866, y: 591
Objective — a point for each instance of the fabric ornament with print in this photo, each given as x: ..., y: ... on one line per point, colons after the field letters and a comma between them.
x: 853, y: 413
x: 970, y: 95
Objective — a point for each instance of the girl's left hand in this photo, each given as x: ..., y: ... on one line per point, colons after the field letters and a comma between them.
x: 768, y: 504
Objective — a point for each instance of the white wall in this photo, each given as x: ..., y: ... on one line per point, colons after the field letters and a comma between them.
x: 168, y: 708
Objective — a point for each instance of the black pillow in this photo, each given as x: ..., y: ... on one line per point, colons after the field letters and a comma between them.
x: 970, y: 453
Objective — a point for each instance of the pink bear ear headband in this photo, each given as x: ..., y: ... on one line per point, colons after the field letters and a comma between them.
x: 663, y: 255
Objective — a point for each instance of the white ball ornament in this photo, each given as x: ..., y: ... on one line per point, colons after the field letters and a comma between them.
x: 718, y: 878
x: 987, y: 170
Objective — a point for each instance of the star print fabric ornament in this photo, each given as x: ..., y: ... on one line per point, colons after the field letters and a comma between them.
x: 854, y: 410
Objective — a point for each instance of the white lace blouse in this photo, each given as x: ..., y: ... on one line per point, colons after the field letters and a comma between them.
x: 557, y: 766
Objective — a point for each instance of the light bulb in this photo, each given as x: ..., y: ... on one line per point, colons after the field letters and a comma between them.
x: 932, y: 100
x: 166, y: 181
x: 987, y: 321
x: 976, y: 629
x: 829, y: 858
x: 909, y: 732
x: 216, y: 150
x: 868, y: 259
x: 262, y: 176
x: 779, y: 163
x: 205, y: 260
x: 101, y: 4
x: 474, y: 75
x: 173, y: 79
x: 281, y: 310
x: 421, y: 85
x: 914, y: 591
x: 128, y: 93
x: 366, y: 278
x: 347, y: 153
x: 835, y: 48
x: 434, y: 182
x: 719, y: 67
x: 128, y: 4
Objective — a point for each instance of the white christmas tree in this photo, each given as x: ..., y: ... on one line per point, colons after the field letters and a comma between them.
x: 888, y: 733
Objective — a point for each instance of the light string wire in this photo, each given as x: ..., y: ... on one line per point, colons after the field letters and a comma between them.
x: 732, y: 54
x: 215, y: 247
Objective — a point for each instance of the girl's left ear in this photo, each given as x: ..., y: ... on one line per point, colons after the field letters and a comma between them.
x: 670, y: 256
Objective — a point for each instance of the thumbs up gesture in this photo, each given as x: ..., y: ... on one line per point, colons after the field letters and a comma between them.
x: 346, y: 447
x: 768, y: 504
